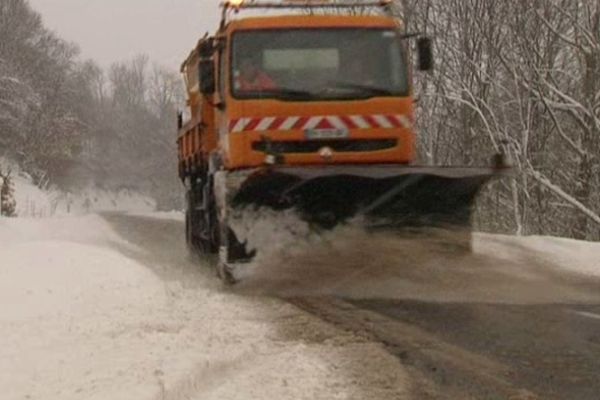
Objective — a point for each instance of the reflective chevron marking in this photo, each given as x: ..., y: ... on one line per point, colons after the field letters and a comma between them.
x: 262, y: 124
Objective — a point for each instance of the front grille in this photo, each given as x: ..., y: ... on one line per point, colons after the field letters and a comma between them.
x: 313, y: 146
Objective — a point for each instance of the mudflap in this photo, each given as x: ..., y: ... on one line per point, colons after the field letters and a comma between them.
x: 397, y: 198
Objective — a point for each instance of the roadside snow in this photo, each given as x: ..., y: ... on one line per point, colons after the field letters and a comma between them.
x: 576, y: 256
x: 93, y: 199
x: 169, y: 215
x: 33, y: 202
x: 83, y: 318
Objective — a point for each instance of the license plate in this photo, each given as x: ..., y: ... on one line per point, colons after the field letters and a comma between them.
x: 336, y: 133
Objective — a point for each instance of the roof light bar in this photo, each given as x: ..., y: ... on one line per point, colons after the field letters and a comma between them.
x: 304, y: 4
x: 237, y: 5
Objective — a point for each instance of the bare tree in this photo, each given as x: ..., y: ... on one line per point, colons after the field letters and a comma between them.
x: 8, y: 204
x: 521, y: 77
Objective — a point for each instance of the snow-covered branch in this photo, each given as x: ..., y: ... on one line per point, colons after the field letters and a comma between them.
x: 565, y: 196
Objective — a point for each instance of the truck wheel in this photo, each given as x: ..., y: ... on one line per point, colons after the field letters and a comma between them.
x: 189, y: 228
x: 201, y: 224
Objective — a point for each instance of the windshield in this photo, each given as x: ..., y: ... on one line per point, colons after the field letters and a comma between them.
x: 318, y: 64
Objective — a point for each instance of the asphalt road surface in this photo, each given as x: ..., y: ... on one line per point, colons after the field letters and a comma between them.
x: 456, y: 347
x: 550, y: 351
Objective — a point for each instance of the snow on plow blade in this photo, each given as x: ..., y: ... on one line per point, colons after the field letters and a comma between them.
x: 381, y: 196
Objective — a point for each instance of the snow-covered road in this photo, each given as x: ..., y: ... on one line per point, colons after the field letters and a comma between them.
x: 110, y: 307
x: 88, y: 312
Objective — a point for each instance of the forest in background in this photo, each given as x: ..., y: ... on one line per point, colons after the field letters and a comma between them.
x: 521, y: 77
x: 69, y: 123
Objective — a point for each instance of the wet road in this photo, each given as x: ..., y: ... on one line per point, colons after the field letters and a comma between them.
x: 465, y: 348
x: 549, y: 351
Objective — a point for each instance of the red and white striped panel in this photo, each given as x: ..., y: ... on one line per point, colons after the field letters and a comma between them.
x: 319, y: 122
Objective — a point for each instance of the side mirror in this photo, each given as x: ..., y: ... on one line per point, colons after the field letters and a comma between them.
x: 207, y: 77
x: 206, y: 48
x: 424, y: 48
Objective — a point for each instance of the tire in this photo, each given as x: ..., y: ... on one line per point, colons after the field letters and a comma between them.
x: 201, y: 224
x: 189, y: 234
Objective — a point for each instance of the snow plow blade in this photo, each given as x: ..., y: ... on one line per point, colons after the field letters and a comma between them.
x: 379, y: 196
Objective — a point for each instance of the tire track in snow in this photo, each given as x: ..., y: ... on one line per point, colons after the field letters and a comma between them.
x: 345, y: 361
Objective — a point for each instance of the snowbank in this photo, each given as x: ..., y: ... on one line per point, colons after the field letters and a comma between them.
x: 577, y: 256
x: 166, y: 215
x: 33, y: 202
x: 92, y: 199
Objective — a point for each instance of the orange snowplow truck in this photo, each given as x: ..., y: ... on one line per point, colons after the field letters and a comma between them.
x: 312, y: 113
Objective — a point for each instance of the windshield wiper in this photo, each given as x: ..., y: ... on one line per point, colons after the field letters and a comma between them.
x: 292, y: 94
x: 277, y: 93
x: 367, y: 89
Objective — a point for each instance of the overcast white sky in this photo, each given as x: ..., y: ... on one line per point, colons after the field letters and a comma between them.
x: 114, y: 30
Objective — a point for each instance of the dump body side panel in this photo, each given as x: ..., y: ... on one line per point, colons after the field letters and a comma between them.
x: 197, y: 138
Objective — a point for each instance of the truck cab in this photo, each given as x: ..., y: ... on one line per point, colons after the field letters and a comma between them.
x: 338, y: 92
